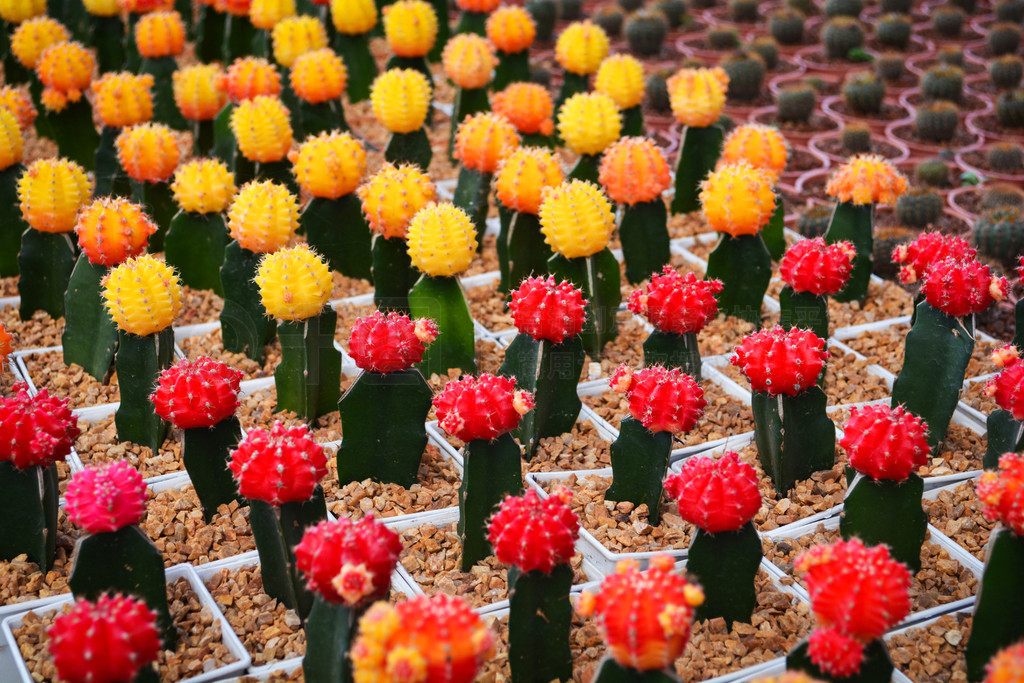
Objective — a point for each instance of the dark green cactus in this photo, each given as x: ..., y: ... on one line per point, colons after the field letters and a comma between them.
x: 804, y: 7
x: 863, y: 93
x: 639, y: 465
x: 896, y: 6
x: 744, y: 264
x: 205, y: 452
x: 656, y: 94
x: 787, y: 26
x: 1003, y: 39
x: 746, y: 72
x: 194, y: 245
x: 725, y: 564
x: 795, y: 437
x: 413, y: 148
x: 50, y: 257
x: 723, y: 39
x: 645, y: 32
x: 1006, y: 71
x: 869, y: 506
x: 544, y: 13
x: 768, y: 49
x: 948, y: 21
x: 90, y: 335
x: 919, y: 207
x: 1010, y: 10
x: 1001, y: 194
x: 843, y: 8
x: 856, y: 138
x: 244, y: 325
x: 645, y: 239
x: 1005, y: 434
x: 743, y: 11
x: 855, y: 224
x: 943, y: 82
x: 999, y: 234
x: 492, y: 471
x: 337, y: 230
x: 841, y: 35
x: 539, y: 624
x: 540, y: 75
x: 610, y: 19
x: 11, y: 223
x: 570, y: 10
x: 139, y: 362
x: 699, y: 150
x: 1005, y: 157
x: 1010, y: 108
x: 1000, y: 602
x: 308, y: 378
x: 522, y: 251
x: 599, y: 277
x: 932, y: 172
x: 893, y: 30
x: 630, y: 5
x: 795, y: 103
x: 967, y: 6
x: 674, y: 11
x: 937, y: 121
x: 890, y: 66
x: 442, y: 299
x: 814, y: 221
x: 30, y: 506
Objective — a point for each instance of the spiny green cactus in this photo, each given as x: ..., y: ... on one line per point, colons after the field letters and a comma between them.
x: 890, y: 66
x: 743, y: 10
x: 893, y: 30
x: 863, y: 93
x: 919, y: 207
x: 645, y: 32
x: 768, y: 49
x: 951, y: 55
x: 948, y: 21
x: 943, y: 82
x: 999, y: 234
x: 723, y: 39
x: 544, y: 13
x: 856, y: 138
x: 674, y: 11
x: 630, y: 5
x: 1010, y: 108
x: 746, y: 74
x: 787, y: 26
x: 1010, y: 10
x: 1005, y: 157
x: 932, y: 172
x: 610, y: 18
x: 795, y: 103
x: 841, y: 35
x: 1001, y: 194
x: 814, y: 221
x: 1006, y: 71
x: 656, y: 93
x: 896, y: 6
x: 570, y: 10
x: 843, y: 8
x: 1003, y: 38
x: 937, y: 121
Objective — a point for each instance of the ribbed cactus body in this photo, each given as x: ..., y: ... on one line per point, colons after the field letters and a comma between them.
x: 919, y: 207
x: 746, y: 71
x: 863, y: 93
x: 795, y: 103
x: 999, y: 233
x: 1010, y: 108
x: 645, y: 32
x: 840, y: 36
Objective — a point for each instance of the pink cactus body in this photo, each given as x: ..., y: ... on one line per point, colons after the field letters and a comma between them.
x: 390, y: 342
x: 482, y: 407
x: 108, y: 641
x: 198, y: 393
x: 778, y: 362
x: 547, y: 310
x: 662, y: 400
x: 857, y: 593
x: 283, y: 465
x: 349, y: 562
x: 930, y: 247
x: 884, y: 442
x: 1008, y: 386
x: 106, y: 497
x: 813, y: 267
x: 676, y: 303
x: 645, y: 616
x: 534, y: 534
x: 716, y: 495
x: 1002, y: 493
x: 960, y: 287
x: 35, y: 430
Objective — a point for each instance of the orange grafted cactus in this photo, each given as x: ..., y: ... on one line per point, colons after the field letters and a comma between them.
x: 634, y: 170
x: 867, y: 179
x: 318, y: 76
x: 148, y: 152
x: 18, y: 102
x: 250, y: 77
x: 697, y: 96
x: 294, y: 36
x: 393, y: 196
x: 330, y: 165
x: 65, y: 70
x: 528, y: 106
x: 160, y: 34
x: 483, y: 140
x: 525, y: 175
x: 196, y: 93
x: 469, y: 60
x: 112, y: 229
x: 511, y: 30
x: 123, y: 99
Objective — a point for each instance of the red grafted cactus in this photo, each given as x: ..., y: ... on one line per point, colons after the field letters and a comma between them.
x: 548, y: 310
x: 1007, y: 666
x: 662, y: 400
x: 778, y: 361
x: 35, y: 430
x: 1002, y: 493
x: 197, y: 393
x: 1008, y: 386
x: 283, y: 465
x: 482, y: 407
x: 535, y: 534
x: 349, y: 562
x: 390, y: 342
x: 645, y: 617
x: 108, y: 641
x: 716, y: 495
x: 676, y: 303
x: 959, y: 287
x: 106, y: 497
x: 817, y: 268
x: 930, y: 247
x: 857, y: 593
x: 884, y: 442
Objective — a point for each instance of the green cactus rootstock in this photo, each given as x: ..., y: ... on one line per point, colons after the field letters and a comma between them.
x: 111, y: 180
x: 471, y: 195
x: 639, y: 464
x: 572, y: 84
x: 29, y: 507
x: 468, y: 101
x: 610, y: 671
x: 645, y: 240
x: 50, y: 257
x: 393, y: 274
x: 238, y: 37
x: 337, y: 230
x: 210, y: 30
x: 331, y: 628
x: 244, y: 325
x: 359, y: 64
x: 139, y: 362
x: 877, y: 666
x: 744, y: 264
x: 1004, y: 434
x: 999, y: 604
x: 442, y: 299
x: 225, y: 147
x: 725, y: 565
x: 308, y: 378
x: 539, y: 624
x: 854, y: 224
x: 195, y: 245
x: 492, y: 470
x: 11, y: 224
x: 587, y: 167
x: 512, y: 68
x: 164, y: 108
x: 322, y: 118
x: 699, y: 150
x: 599, y: 277
x: 774, y: 233
x: 90, y: 335
x: 795, y: 437
x: 870, y: 507
x: 73, y: 131
x: 158, y: 198
x: 522, y: 251
x: 412, y: 148
x: 804, y: 310
x: 205, y: 453
x: 673, y: 351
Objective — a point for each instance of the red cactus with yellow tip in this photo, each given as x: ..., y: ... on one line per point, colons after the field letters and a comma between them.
x: 962, y: 287
x: 390, y: 342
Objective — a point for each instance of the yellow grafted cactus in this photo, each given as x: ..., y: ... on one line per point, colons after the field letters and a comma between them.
x: 160, y: 34
x: 442, y: 240
x: 17, y: 11
x: 621, y: 77
x: 196, y: 93
x: 147, y: 152
x: 483, y: 140
x: 203, y: 186
x: 737, y: 199
x: 142, y: 295
x: 576, y: 219
x: 102, y: 8
x: 581, y: 47
x: 123, y: 99
x: 263, y: 216
x: 482, y: 6
x: 761, y: 146
x: 393, y: 196
x: 51, y: 192
x: 867, y: 179
x: 589, y: 122
x: 511, y: 29
x: 697, y: 96
x: 410, y: 27
x: 262, y: 129
x: 330, y: 165
x: 112, y: 229
x: 318, y: 76
x: 294, y: 36
x: 528, y: 106
x: 354, y: 17
x: 18, y: 102
x: 468, y: 60
x: 65, y: 70
x: 400, y: 99
x: 634, y: 170
x: 12, y: 145
x: 294, y: 283
x: 525, y: 175
x: 250, y: 77
x: 264, y: 14
x: 35, y: 35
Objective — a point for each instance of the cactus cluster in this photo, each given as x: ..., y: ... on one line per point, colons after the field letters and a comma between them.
x: 919, y: 207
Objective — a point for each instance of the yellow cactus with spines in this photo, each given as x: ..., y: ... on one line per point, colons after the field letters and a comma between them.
x: 589, y: 122
x: 263, y: 216
x: 65, y: 70
x: 12, y: 144
x: 262, y: 129
x: 410, y: 27
x: 148, y: 152
x: 442, y: 240
x: 18, y: 11
x: 142, y: 295
x: 294, y: 283
x: 264, y: 14
x: 392, y: 196
x: 354, y: 17
x: 581, y: 47
x: 469, y: 60
x: 511, y: 29
x: 294, y: 36
x: 760, y: 145
x: 483, y: 140
x: 634, y: 171
x: 249, y: 77
x: 51, y: 192
x: 102, y: 8
x: 18, y: 102
x: 867, y: 179
x: 196, y: 93
x: 525, y: 175
x: 621, y: 77
x: 576, y: 218
x: 330, y: 164
x: 318, y: 76
x: 160, y: 34
x: 35, y: 35
x: 203, y: 186
x: 112, y: 229
x: 400, y: 99
x: 123, y: 99
x: 697, y: 96
x: 737, y: 199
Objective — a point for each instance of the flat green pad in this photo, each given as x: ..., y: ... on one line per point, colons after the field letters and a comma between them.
x: 744, y: 266
x: 29, y: 509
x: 539, y: 622
x: 643, y: 232
x: 725, y: 565
x: 50, y: 258
x: 308, y: 378
x: 139, y: 362
x: 854, y: 224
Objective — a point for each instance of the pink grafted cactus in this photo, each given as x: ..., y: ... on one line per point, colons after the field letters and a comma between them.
x: 661, y: 400
x: 885, y: 443
x: 817, y: 268
x: 1008, y: 386
x: 960, y: 287
x: 778, y: 361
x: 930, y: 247
x: 716, y: 495
x: 535, y: 534
x: 390, y: 342
x: 548, y: 310
x: 483, y: 407
x: 199, y: 393
x: 35, y: 430
x: 106, y: 497
x: 283, y: 465
x: 676, y: 303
